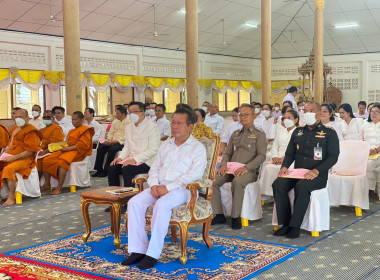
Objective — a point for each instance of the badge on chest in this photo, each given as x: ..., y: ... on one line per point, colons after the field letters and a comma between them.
x: 317, y: 153
x: 252, y: 136
x: 320, y: 134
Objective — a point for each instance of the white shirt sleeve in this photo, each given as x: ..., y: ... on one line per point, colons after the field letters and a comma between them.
x: 219, y: 125
x: 98, y: 130
x: 153, y: 145
x: 167, y: 129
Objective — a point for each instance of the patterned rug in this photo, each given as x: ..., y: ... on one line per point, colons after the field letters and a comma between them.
x: 230, y: 257
x: 12, y: 268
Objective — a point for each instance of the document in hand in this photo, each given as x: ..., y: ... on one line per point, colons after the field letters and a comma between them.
x: 298, y: 173
x: 233, y: 166
x: 4, y: 155
x: 101, y: 141
x: 53, y: 147
x: 122, y: 162
x: 375, y: 156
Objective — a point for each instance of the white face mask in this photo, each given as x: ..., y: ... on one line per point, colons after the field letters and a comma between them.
x: 257, y: 110
x: 288, y: 123
x: 134, y: 118
x: 151, y: 112
x: 35, y: 114
x: 277, y: 109
x: 309, y: 118
x: 204, y: 108
x: 265, y: 113
x: 20, y: 122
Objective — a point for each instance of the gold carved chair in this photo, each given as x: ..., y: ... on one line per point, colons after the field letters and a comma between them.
x: 197, y: 210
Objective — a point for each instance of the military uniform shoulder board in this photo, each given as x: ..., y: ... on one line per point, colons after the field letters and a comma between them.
x: 330, y: 127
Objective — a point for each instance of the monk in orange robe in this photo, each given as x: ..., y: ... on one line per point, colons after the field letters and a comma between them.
x: 24, y: 143
x: 4, y: 137
x: 52, y: 133
x: 79, y: 141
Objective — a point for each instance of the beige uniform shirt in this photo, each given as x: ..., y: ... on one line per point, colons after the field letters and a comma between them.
x: 117, y: 130
x: 246, y: 146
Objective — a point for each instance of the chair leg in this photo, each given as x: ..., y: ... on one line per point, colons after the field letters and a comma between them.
x: 244, y: 222
x: 262, y: 202
x: 18, y: 197
x: 73, y: 188
x: 205, y: 233
x: 275, y: 228
x: 183, y: 231
x: 315, y: 233
x: 126, y: 221
x: 173, y: 231
x: 358, y: 211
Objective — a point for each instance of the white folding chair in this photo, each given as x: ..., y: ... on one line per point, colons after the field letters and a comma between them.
x: 28, y: 187
x: 347, y: 184
x: 317, y: 216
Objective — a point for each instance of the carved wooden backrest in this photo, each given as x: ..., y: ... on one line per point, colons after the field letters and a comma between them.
x: 211, y: 141
x: 334, y: 95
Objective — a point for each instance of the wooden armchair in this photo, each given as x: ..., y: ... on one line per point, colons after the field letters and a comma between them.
x: 196, y: 211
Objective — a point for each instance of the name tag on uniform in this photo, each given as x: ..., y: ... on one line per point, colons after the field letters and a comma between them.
x: 252, y: 136
x: 317, y: 153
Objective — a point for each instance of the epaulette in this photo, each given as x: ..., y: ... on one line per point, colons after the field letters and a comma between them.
x: 330, y: 127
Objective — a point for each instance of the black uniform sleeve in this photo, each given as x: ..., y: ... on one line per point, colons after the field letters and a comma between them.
x: 332, y: 152
x: 290, y: 153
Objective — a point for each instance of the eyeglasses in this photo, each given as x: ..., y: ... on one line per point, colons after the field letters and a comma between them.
x: 244, y: 115
x: 375, y: 112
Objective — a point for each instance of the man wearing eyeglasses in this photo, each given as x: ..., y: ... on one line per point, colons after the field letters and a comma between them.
x: 142, y: 140
x: 246, y: 146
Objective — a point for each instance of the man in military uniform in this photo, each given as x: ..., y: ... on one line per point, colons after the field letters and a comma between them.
x: 247, y: 146
x: 314, y: 147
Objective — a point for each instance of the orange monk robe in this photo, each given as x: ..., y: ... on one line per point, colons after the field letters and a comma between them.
x: 51, y: 134
x: 27, y: 139
x: 82, y: 138
x: 4, y: 137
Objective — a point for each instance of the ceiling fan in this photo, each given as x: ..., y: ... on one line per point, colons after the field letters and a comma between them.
x: 155, y: 33
x: 223, y: 44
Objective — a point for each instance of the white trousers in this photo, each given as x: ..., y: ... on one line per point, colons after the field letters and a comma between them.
x: 162, y: 211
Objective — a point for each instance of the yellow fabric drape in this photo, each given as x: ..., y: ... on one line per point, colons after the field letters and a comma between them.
x: 256, y: 85
x: 4, y: 73
x: 219, y: 83
x: 30, y: 76
x: 205, y: 82
x: 233, y: 84
x: 245, y: 84
x: 124, y: 80
x: 100, y: 79
x: 52, y: 76
x: 173, y: 82
x: 278, y: 84
x: 154, y: 82
x: 139, y: 80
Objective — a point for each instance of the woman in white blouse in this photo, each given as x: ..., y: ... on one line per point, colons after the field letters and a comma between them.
x: 328, y: 119
x: 350, y: 126
x: 370, y: 132
x: 284, y: 132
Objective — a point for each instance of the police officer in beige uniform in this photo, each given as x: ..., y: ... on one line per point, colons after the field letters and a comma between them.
x: 314, y: 147
x: 247, y: 146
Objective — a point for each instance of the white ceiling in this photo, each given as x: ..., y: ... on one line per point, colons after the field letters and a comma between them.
x: 131, y: 22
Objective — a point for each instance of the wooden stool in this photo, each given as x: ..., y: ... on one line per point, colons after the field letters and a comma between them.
x: 104, y: 197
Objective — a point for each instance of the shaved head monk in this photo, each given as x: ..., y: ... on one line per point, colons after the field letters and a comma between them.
x: 79, y: 141
x: 20, y: 156
x: 52, y: 133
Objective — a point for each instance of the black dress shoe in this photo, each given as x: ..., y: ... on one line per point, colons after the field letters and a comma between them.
x: 103, y: 174
x: 236, y: 223
x: 218, y: 219
x: 133, y: 258
x: 123, y: 209
x: 294, y: 232
x: 147, y: 262
x: 108, y: 209
x: 96, y: 174
x: 282, y: 231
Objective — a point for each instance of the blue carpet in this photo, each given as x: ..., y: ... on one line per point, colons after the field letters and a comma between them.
x: 229, y: 258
